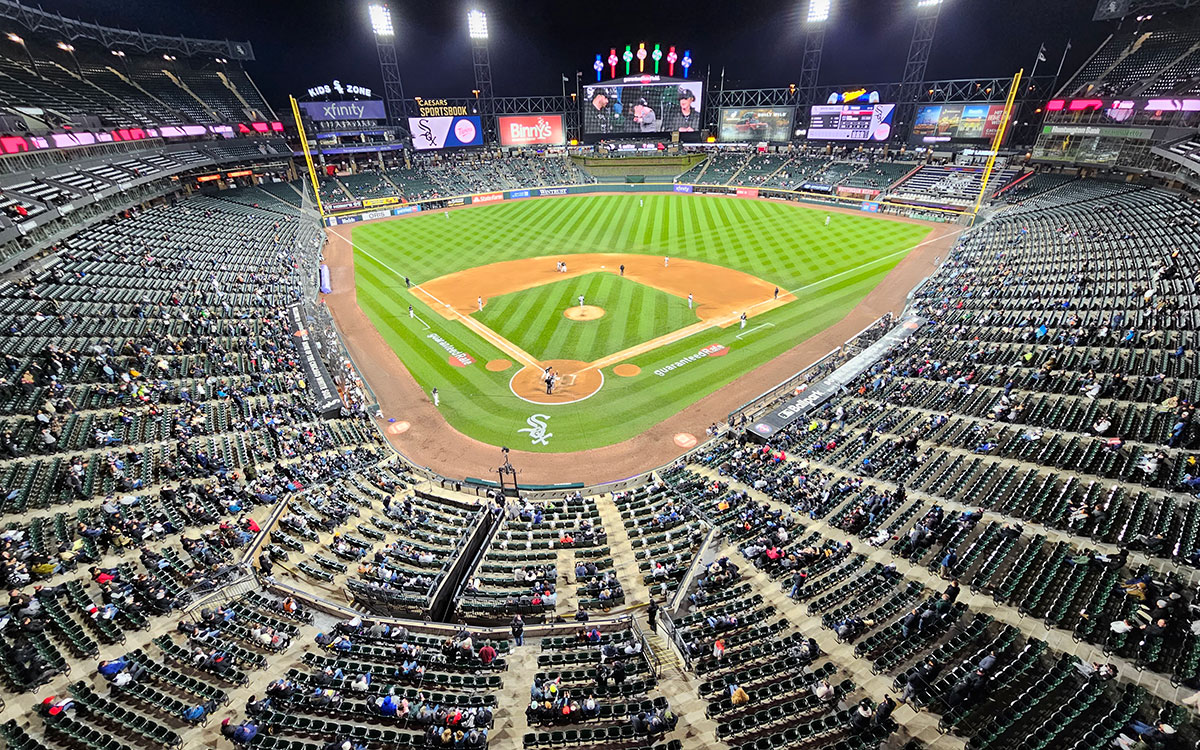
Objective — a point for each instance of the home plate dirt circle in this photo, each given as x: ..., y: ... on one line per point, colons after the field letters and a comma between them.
x: 575, y: 383
x: 584, y: 312
x: 627, y: 370
x: 498, y: 365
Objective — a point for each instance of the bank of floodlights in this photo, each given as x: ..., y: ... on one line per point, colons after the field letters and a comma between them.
x: 477, y: 24
x: 818, y: 11
x: 381, y: 20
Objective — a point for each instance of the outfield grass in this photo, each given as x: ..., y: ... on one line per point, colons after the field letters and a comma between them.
x: 829, y: 269
x: 533, y: 319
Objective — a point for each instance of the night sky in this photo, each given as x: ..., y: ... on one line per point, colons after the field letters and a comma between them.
x: 758, y: 42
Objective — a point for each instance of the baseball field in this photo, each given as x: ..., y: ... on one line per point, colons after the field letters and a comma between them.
x: 478, y: 304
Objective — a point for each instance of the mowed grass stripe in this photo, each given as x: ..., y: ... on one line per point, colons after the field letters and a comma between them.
x: 533, y: 319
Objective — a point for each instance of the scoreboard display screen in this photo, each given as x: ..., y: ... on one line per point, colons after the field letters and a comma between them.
x: 851, y: 122
x: 946, y: 123
x: 643, y: 104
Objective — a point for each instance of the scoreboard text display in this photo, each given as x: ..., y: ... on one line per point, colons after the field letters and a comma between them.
x: 851, y: 122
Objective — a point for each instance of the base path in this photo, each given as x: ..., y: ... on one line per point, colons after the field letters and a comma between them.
x: 719, y: 294
x: 433, y: 443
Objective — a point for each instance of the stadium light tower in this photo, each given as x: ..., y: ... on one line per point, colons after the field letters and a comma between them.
x: 16, y: 39
x: 477, y: 28
x: 814, y: 42
x: 918, y: 60
x: 385, y: 45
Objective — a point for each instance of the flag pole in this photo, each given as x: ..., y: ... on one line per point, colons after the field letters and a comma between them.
x: 1063, y: 61
x: 1040, y: 56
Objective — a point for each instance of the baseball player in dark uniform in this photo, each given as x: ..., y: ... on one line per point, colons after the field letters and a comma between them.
x: 598, y: 116
x: 684, y: 118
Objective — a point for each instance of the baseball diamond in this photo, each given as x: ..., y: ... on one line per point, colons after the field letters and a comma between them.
x: 729, y: 255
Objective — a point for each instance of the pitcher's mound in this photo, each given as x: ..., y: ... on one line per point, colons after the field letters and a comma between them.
x: 574, y: 383
x: 584, y: 312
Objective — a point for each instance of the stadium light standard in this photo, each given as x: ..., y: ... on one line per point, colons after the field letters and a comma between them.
x: 124, y: 63
x: 918, y: 59
x: 18, y: 40
x: 816, y: 21
x: 70, y: 50
x: 385, y: 45
x: 477, y: 29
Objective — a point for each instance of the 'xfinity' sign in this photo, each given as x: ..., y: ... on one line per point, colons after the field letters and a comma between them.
x: 363, y: 110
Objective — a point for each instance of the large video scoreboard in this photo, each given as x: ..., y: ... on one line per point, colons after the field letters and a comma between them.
x: 851, y: 122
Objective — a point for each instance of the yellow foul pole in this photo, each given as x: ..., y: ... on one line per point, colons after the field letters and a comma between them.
x: 999, y: 139
x: 312, y: 171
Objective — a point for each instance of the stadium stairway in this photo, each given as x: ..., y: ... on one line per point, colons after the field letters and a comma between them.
x: 1058, y: 639
x: 636, y: 591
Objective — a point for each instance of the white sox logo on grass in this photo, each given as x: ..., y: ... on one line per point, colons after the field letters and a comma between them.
x: 537, y: 429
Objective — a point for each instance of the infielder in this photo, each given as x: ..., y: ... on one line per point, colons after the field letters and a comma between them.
x: 581, y: 300
x: 666, y: 261
x: 435, y: 393
x: 480, y: 301
x: 689, y: 300
x: 742, y: 321
x: 410, y: 312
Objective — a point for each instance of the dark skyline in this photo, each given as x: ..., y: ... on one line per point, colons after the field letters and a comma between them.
x: 759, y: 44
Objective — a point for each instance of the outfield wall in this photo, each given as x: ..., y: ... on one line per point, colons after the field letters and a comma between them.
x: 369, y: 209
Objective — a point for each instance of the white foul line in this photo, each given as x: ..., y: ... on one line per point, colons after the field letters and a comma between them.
x: 469, y: 322
x: 755, y: 328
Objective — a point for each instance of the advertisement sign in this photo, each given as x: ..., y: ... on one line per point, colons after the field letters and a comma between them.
x: 823, y: 390
x: 327, y: 111
x: 391, y: 200
x: 683, y: 188
x: 951, y: 123
x: 487, y: 198
x: 1139, y: 134
x: 343, y: 205
x: 518, y: 194
x: 754, y: 124
x: 430, y: 133
x: 743, y: 192
x: 816, y: 187
x: 531, y: 130
x: 323, y: 389
x: 405, y: 210
x: 552, y: 191
x: 858, y: 192
x: 452, y: 202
